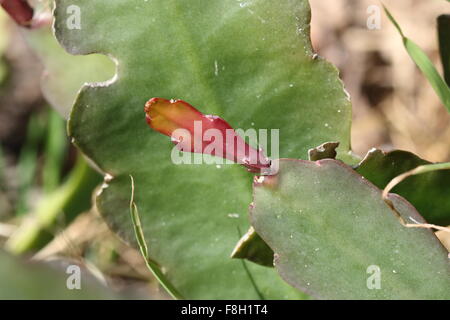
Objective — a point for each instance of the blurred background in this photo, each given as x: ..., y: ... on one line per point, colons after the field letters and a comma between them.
x: 393, y: 104
x: 44, y: 217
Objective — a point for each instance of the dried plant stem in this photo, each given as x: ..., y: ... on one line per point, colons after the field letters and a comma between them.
x: 394, y: 182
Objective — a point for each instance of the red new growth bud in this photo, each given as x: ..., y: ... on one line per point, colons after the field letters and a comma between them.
x: 19, y: 10
x: 192, y: 131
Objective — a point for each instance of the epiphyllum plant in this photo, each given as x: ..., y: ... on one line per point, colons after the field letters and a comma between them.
x: 322, y: 222
x: 310, y: 214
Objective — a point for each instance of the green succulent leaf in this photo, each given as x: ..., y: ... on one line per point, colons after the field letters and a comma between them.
x: 428, y: 192
x: 333, y: 235
x: 424, y: 184
x: 249, y: 62
x: 251, y: 246
x: 64, y: 73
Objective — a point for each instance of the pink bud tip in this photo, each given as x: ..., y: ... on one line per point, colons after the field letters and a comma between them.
x: 19, y: 10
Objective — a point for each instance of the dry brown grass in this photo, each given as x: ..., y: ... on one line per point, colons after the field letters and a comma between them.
x: 393, y: 104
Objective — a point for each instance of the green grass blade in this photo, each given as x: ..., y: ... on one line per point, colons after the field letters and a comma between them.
x: 140, y: 238
x: 2, y: 166
x: 55, y: 150
x: 71, y: 198
x: 28, y: 159
x: 425, y: 65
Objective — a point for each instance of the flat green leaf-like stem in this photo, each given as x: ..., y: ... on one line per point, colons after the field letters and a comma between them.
x: 249, y: 62
x: 64, y: 73
x: 334, y: 236
x: 251, y: 246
